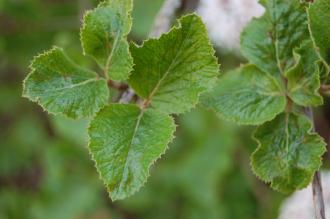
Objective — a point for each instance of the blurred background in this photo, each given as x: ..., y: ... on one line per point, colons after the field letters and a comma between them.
x: 45, y: 168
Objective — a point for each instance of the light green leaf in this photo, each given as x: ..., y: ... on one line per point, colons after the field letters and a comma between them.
x: 268, y: 41
x: 319, y: 19
x: 246, y: 96
x: 303, y: 78
x: 124, y: 142
x: 288, y: 152
x: 324, y: 71
x: 172, y: 71
x: 62, y: 87
x: 104, y: 37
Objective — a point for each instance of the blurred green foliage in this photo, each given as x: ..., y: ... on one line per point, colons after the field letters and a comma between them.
x: 45, y: 168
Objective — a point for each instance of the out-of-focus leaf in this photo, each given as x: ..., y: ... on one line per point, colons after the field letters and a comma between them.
x: 303, y: 78
x: 268, y: 41
x: 288, y: 152
x: 246, y: 96
x: 319, y: 17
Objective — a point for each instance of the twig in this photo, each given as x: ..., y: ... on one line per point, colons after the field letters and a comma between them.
x: 127, y: 96
x: 162, y: 24
x: 316, y: 184
x: 117, y: 86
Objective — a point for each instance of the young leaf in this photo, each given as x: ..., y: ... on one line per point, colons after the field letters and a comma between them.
x: 246, y: 96
x: 62, y: 87
x: 124, y: 142
x: 268, y: 41
x: 303, y: 78
x: 319, y: 18
x: 103, y: 36
x: 172, y: 71
x: 288, y: 152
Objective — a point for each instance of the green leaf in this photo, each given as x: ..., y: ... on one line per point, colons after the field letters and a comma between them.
x: 104, y: 37
x: 319, y: 18
x: 324, y: 71
x: 288, y: 152
x: 172, y: 71
x: 246, y: 96
x: 62, y: 87
x: 303, y: 78
x: 268, y: 41
x: 124, y: 142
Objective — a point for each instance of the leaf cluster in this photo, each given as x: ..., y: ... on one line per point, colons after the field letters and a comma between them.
x: 288, y: 53
x: 167, y: 74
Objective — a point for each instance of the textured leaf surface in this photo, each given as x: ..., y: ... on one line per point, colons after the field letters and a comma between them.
x: 319, y: 19
x: 288, y: 153
x: 268, y: 41
x: 62, y: 87
x: 246, y: 96
x: 171, y: 72
x: 124, y: 142
x: 103, y: 36
x: 303, y: 78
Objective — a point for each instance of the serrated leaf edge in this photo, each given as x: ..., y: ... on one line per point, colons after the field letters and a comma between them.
x: 259, y: 145
x: 177, y: 27
x: 148, y: 173
x: 107, y: 68
x: 37, y: 100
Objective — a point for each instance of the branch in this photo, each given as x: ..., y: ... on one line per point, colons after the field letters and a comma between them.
x: 162, y: 24
x: 316, y: 184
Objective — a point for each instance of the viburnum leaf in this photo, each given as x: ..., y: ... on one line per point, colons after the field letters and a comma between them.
x: 268, y: 41
x: 288, y: 152
x: 104, y: 37
x: 124, y: 142
x: 303, y: 78
x: 319, y: 18
x: 62, y: 87
x: 172, y: 71
x: 246, y: 96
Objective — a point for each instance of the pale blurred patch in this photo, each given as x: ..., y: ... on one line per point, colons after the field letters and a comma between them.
x: 225, y: 19
x: 300, y: 204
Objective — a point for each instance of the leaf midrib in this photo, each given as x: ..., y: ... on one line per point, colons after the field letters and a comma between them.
x: 155, y: 89
x: 109, y: 59
x: 74, y: 85
x: 137, y: 124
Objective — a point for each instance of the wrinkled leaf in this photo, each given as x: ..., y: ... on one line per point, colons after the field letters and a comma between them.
x: 103, y: 36
x: 124, y: 142
x: 62, y: 87
x: 172, y: 71
x: 319, y: 19
x: 288, y: 152
x: 303, y: 78
x: 268, y: 41
x: 246, y: 96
